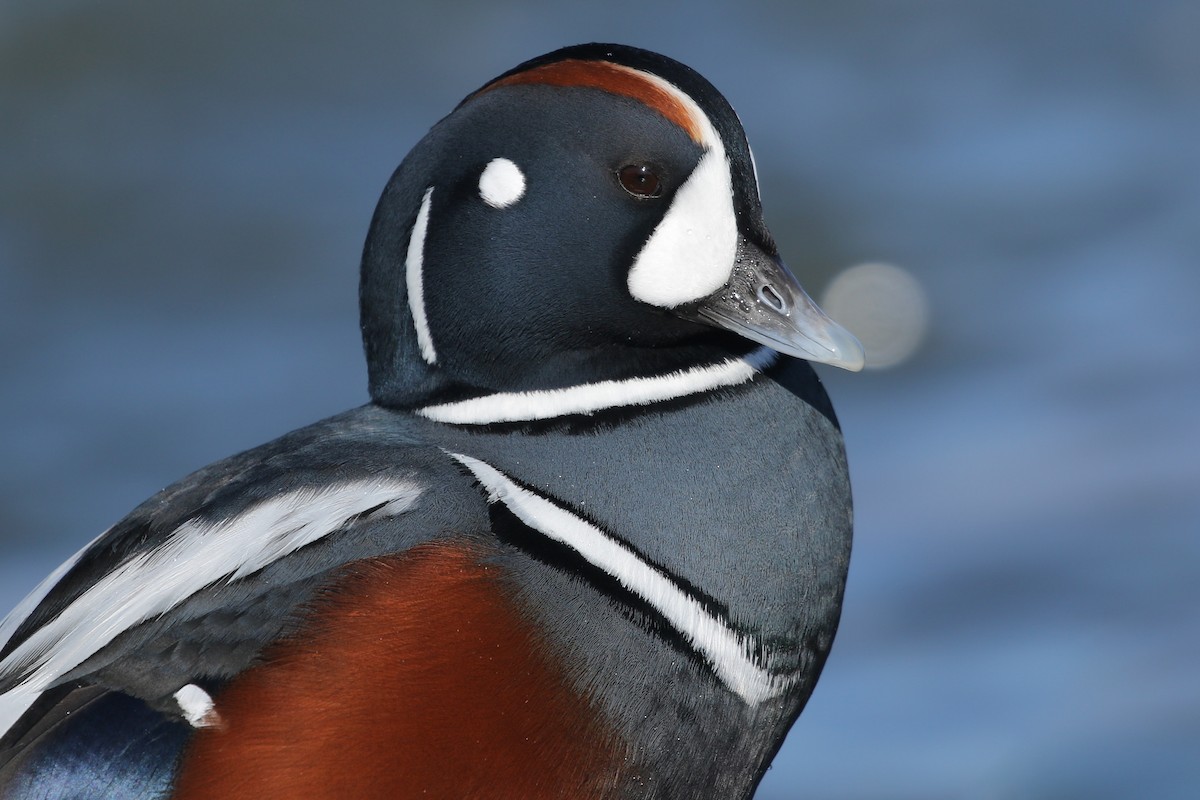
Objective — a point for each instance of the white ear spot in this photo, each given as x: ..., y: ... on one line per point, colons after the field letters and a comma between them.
x: 197, y: 707
x: 502, y: 183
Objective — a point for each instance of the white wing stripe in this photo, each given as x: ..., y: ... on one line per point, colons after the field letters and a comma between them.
x: 196, y: 555
x: 24, y: 608
x: 726, y: 650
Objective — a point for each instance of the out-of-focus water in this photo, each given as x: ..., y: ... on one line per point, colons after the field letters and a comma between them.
x: 184, y: 189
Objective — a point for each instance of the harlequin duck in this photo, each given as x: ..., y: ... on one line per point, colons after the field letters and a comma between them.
x: 588, y: 539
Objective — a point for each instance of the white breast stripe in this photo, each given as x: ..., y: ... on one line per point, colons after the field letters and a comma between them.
x: 196, y: 554
x: 589, y: 398
x: 727, y: 652
x: 414, y: 262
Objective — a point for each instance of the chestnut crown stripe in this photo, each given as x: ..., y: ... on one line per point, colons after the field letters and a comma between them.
x: 654, y: 92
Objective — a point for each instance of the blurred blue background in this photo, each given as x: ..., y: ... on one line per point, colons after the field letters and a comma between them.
x: 184, y: 190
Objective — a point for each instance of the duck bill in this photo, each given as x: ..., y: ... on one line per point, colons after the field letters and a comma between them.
x: 764, y: 302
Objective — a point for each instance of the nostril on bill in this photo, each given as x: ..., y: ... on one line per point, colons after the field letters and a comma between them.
x: 768, y: 295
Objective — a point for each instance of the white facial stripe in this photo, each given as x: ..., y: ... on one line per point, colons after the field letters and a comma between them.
x: 708, y: 134
x: 196, y: 555
x: 589, y: 398
x: 728, y: 653
x: 502, y: 183
x: 415, y: 282
x: 690, y: 254
x: 197, y: 707
x: 754, y: 169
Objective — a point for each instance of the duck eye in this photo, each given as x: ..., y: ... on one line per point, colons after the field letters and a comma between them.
x: 640, y: 180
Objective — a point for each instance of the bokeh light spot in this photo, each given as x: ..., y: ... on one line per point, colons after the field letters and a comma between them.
x: 884, y: 306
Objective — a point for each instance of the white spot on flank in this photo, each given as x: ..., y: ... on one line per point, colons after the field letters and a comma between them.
x: 502, y: 183
x: 197, y: 707
x: 589, y: 398
x: 415, y: 281
x: 727, y: 651
x: 197, y: 554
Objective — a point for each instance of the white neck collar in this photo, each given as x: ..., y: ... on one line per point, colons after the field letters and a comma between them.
x: 588, y: 398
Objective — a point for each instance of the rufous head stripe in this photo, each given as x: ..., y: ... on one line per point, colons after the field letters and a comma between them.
x: 614, y: 78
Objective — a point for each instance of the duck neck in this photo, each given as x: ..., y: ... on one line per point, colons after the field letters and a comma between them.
x: 590, y: 397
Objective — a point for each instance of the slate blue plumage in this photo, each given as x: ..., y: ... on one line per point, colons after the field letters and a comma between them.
x: 665, y: 504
